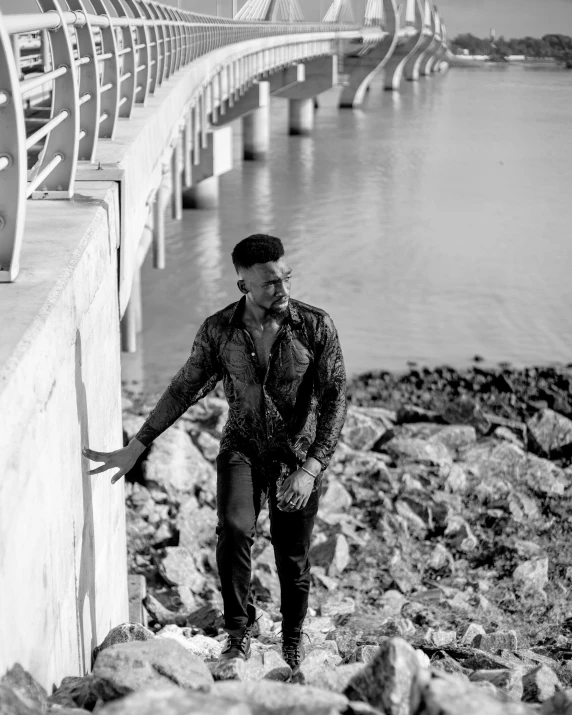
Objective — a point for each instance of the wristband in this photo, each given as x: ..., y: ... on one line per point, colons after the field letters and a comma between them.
x: 314, y: 476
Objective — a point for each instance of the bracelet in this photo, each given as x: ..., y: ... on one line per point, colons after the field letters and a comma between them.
x: 314, y: 476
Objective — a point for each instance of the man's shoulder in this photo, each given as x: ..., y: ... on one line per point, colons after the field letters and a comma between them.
x: 309, y: 311
x: 222, y: 318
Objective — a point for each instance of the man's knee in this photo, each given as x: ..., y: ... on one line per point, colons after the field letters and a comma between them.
x: 235, y: 526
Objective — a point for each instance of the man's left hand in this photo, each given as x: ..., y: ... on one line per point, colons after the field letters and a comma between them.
x: 295, y: 491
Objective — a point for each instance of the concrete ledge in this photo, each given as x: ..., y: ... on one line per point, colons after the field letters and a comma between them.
x: 62, y: 532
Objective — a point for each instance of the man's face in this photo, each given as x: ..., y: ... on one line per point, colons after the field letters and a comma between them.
x: 268, y: 285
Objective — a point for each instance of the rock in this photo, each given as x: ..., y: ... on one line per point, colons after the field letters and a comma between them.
x: 26, y: 687
x: 419, y: 450
x: 362, y: 654
x: 12, y: 704
x: 338, y: 606
x: 207, y: 618
x: 444, y: 694
x: 391, y: 603
x: 389, y: 681
x: 173, y: 701
x: 345, y: 639
x: 441, y: 638
x: 203, y: 647
x: 457, y: 480
x: 559, y: 704
x: 460, y: 535
x: 267, y: 697
x: 275, y: 667
x: 266, y: 663
x: 127, y: 667
x: 540, y: 684
x: 176, y: 465
x: 208, y: 445
x: 75, y: 692
x: 333, y: 554
x: 161, y: 614
x: 197, y: 527
x: 455, y: 436
x: 508, y: 434
x: 532, y: 575
x: 336, y: 499
x: 508, y: 682
x: 360, y: 431
x: 471, y: 632
x: 480, y: 660
x: 549, y: 432
x: 124, y: 633
x: 179, y: 568
x: 494, y: 642
x: 336, y: 679
x: 413, y: 413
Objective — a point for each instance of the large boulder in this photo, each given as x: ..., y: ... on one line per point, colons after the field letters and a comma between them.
x: 549, y: 432
x: 267, y: 697
x: 204, y: 647
x: 532, y: 575
x: 418, y: 450
x: 540, y: 684
x: 176, y: 465
x: 196, y: 525
x: 180, y: 569
x: 445, y: 694
x: 337, y: 499
x: 75, y: 692
x: 362, y: 429
x: 173, y: 701
x: 26, y: 688
x: 127, y: 667
x: 389, y: 681
x: 124, y: 633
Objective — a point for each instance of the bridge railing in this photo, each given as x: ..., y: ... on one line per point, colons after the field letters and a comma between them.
x: 99, y: 64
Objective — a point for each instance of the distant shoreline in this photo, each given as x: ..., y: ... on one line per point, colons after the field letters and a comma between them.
x: 479, y: 61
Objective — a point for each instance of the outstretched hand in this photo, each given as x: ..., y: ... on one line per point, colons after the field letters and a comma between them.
x: 121, y: 459
x: 295, y: 491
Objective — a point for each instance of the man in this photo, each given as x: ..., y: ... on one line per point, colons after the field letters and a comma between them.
x: 284, y: 379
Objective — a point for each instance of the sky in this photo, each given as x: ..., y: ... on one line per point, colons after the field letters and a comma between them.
x: 511, y: 18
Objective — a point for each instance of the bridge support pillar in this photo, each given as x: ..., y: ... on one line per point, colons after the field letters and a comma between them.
x: 256, y: 133
x: 202, y: 195
x: 214, y: 159
x: 301, y: 116
x: 132, y: 321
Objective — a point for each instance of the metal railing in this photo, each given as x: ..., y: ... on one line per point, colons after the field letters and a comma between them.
x: 95, y: 65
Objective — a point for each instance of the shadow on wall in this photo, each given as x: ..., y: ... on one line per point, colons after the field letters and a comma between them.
x: 85, y: 582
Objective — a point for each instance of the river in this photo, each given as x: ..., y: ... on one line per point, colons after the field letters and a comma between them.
x: 434, y: 225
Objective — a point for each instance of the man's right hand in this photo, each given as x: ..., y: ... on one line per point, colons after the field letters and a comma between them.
x: 122, y: 459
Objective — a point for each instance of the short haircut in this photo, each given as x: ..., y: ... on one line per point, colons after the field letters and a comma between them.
x: 258, y: 248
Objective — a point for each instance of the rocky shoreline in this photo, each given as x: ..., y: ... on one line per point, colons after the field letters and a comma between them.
x: 441, y: 562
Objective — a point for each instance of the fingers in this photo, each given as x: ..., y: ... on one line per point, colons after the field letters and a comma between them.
x: 103, y: 468
x: 118, y: 476
x: 96, y: 456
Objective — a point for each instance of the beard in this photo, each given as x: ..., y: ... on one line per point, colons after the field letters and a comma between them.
x: 279, y: 310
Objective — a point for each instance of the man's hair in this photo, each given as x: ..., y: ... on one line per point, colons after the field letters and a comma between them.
x: 258, y: 248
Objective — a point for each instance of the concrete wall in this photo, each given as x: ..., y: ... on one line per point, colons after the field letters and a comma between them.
x: 62, y: 532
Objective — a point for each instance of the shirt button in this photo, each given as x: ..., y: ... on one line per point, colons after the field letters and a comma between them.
x: 253, y: 354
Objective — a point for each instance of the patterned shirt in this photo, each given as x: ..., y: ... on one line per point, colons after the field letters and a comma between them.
x: 293, y: 410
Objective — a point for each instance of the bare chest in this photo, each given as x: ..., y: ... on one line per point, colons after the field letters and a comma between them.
x: 263, y: 342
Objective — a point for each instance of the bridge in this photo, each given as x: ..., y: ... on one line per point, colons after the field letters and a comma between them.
x: 110, y: 110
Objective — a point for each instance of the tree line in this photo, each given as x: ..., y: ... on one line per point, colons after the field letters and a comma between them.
x: 550, y: 46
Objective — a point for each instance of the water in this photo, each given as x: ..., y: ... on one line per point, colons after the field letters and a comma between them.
x: 433, y: 225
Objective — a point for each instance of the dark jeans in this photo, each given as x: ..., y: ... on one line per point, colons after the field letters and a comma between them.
x: 241, y: 493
